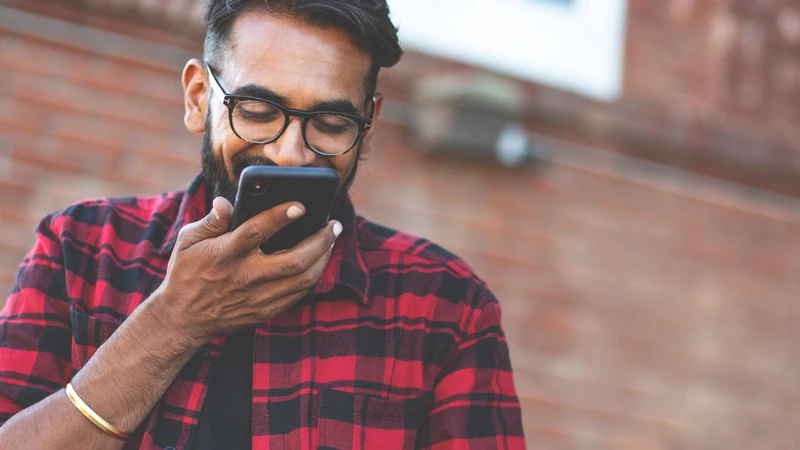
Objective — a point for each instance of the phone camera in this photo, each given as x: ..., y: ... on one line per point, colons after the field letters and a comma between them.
x: 258, y: 188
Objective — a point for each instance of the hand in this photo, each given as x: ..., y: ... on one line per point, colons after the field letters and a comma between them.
x: 219, y: 283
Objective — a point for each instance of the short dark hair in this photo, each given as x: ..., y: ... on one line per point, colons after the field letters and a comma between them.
x: 367, y: 22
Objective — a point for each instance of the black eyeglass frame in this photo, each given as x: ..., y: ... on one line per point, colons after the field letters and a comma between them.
x: 230, y: 101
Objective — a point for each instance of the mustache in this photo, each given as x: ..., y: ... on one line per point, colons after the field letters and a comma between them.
x: 242, y: 161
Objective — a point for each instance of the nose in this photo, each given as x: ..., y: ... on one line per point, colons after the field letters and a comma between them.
x: 290, y: 149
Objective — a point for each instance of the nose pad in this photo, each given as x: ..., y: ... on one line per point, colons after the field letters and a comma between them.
x: 290, y: 149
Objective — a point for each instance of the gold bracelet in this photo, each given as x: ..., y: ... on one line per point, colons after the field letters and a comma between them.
x: 107, y: 428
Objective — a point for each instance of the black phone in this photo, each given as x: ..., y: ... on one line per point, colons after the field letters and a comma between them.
x: 264, y: 187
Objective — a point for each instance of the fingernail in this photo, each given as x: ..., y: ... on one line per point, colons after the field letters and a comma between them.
x: 337, y: 229
x: 294, y: 212
x: 215, y: 213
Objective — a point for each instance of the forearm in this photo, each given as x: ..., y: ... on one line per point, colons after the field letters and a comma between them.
x: 122, y: 382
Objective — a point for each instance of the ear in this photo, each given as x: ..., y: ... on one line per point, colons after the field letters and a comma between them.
x: 366, y: 147
x: 195, y: 95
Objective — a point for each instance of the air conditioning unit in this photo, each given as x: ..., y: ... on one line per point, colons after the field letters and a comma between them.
x: 470, y: 115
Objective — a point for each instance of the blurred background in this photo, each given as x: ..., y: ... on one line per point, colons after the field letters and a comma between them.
x: 625, y: 175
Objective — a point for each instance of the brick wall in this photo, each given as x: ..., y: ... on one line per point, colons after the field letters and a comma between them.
x: 80, y: 121
x: 640, y: 314
x: 647, y: 307
x: 709, y: 86
x: 718, y: 80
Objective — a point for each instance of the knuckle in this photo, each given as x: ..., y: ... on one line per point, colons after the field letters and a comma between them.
x: 241, y: 283
x: 254, y: 233
x: 204, y: 226
x: 307, y: 280
x: 184, y: 233
x: 294, y: 265
x: 220, y: 257
x: 221, y: 267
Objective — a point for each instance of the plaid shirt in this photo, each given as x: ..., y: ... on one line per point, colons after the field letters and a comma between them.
x: 399, y: 345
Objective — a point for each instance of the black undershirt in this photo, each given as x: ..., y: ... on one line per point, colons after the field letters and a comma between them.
x: 225, y: 420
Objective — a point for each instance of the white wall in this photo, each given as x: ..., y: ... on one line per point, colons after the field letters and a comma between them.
x: 577, y: 46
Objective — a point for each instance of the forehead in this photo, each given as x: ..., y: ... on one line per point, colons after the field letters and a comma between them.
x: 301, y: 62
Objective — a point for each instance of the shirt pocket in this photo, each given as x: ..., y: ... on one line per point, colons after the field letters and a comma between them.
x: 88, y: 333
x: 348, y: 420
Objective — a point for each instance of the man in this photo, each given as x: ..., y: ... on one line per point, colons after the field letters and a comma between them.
x: 144, y: 323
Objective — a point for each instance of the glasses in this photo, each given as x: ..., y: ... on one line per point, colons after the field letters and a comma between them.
x: 262, y: 121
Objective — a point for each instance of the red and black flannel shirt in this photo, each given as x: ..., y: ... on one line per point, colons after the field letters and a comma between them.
x: 399, y: 345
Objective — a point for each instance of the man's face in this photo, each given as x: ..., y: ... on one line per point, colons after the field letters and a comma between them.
x: 275, y: 57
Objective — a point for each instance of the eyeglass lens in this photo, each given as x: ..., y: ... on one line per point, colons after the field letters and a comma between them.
x: 260, y: 122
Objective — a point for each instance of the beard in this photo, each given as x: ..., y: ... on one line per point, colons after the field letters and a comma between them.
x: 218, y: 179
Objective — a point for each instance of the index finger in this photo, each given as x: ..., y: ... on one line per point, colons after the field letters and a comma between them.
x: 302, y: 256
x: 247, y: 237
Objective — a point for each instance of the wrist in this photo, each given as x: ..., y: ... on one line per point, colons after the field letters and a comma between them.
x: 158, y: 316
x: 131, y: 371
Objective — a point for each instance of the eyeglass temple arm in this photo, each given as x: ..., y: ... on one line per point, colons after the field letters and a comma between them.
x: 373, y: 102
x: 215, y: 87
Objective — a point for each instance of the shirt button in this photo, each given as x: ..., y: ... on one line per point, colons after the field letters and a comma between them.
x: 203, y: 352
x: 169, y: 448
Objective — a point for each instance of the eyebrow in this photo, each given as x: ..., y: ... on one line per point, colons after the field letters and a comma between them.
x: 254, y: 90
x: 341, y: 105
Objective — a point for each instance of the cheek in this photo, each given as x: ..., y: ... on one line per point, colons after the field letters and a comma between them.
x: 225, y: 143
x: 343, y: 164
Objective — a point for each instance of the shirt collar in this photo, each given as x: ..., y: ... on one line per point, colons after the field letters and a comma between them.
x: 193, y: 206
x: 347, y: 267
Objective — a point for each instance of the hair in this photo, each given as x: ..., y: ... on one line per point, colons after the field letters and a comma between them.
x: 367, y: 22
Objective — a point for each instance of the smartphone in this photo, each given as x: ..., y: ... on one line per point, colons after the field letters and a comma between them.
x: 264, y: 187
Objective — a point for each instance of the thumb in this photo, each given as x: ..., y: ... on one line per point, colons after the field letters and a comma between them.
x: 214, y: 224
x: 222, y: 211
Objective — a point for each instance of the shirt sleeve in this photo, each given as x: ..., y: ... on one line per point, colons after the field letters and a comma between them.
x: 475, y: 405
x: 35, y: 336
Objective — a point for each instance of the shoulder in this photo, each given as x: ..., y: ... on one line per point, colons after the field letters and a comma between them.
x: 109, y: 218
x: 445, y: 274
